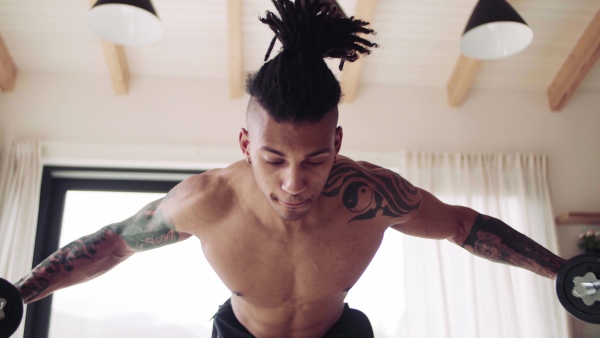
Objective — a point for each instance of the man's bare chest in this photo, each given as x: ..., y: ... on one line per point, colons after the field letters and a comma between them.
x: 270, y: 270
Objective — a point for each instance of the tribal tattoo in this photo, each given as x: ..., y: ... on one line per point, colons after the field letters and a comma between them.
x: 492, y: 239
x: 371, y: 194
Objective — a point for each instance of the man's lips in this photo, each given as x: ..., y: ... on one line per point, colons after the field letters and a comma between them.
x: 293, y: 205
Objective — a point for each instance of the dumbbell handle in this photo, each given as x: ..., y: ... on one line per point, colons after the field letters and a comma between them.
x: 586, y: 288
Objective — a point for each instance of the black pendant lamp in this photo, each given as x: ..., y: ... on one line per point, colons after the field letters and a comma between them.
x: 125, y: 22
x: 494, y: 31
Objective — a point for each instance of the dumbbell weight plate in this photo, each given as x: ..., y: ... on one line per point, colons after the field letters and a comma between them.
x: 12, y: 309
x: 578, y: 266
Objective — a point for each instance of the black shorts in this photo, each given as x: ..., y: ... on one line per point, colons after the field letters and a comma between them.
x: 352, y: 324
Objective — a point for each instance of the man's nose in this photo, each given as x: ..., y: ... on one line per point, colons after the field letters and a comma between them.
x: 294, y: 182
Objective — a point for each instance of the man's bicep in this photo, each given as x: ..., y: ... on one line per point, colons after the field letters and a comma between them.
x: 436, y: 219
x: 149, y: 228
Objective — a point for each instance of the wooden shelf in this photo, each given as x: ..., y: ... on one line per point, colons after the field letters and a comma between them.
x: 579, y: 217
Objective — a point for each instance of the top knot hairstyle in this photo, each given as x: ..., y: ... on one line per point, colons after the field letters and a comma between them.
x: 296, y: 85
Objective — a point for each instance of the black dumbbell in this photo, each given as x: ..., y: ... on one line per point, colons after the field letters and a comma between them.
x: 11, y: 309
x: 578, y: 287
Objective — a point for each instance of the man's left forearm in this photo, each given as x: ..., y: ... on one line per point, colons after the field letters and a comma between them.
x: 492, y: 239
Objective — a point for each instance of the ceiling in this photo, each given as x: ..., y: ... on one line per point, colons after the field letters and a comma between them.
x: 418, y: 38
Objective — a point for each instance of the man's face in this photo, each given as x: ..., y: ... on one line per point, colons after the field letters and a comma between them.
x: 291, y: 162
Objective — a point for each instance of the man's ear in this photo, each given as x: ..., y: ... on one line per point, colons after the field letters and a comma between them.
x: 339, y: 134
x: 244, y: 142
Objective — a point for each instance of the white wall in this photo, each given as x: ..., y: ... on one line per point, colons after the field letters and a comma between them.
x: 185, y: 120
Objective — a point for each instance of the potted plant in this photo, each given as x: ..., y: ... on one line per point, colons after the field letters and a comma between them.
x: 589, y: 241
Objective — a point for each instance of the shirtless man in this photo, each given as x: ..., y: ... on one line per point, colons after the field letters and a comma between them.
x: 290, y: 229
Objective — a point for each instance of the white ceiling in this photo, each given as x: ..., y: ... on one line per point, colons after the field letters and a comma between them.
x: 419, y: 40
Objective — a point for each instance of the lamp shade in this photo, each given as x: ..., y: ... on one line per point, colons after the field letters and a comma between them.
x: 125, y: 22
x: 495, y: 30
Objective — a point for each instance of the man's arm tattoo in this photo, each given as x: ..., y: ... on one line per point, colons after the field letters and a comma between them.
x: 148, y: 229
x: 373, y: 194
x: 62, y: 261
x: 492, y: 239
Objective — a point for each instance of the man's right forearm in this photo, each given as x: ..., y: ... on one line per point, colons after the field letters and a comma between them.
x: 492, y: 239
x: 78, y: 261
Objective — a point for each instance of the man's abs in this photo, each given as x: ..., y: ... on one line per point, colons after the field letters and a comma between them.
x: 291, y: 319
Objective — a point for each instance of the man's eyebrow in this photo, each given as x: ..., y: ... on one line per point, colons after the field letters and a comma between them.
x: 314, y: 153
x: 271, y: 150
x: 319, y: 152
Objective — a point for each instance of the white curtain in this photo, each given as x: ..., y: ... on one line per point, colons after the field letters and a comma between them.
x: 451, y: 293
x: 20, y: 183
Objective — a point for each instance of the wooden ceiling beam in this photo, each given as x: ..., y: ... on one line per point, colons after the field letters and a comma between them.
x: 577, y: 65
x: 117, y: 64
x: 117, y: 67
x: 8, y: 69
x: 236, y: 70
x: 351, y: 75
x: 461, y: 80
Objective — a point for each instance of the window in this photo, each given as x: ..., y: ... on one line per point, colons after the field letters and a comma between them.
x: 153, y: 294
x: 172, y: 290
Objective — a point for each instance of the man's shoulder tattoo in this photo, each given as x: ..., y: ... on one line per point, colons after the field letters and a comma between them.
x: 371, y: 193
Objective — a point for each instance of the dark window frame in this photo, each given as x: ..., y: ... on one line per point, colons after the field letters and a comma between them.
x: 53, y: 193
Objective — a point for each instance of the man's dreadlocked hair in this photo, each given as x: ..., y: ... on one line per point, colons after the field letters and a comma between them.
x: 296, y: 85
